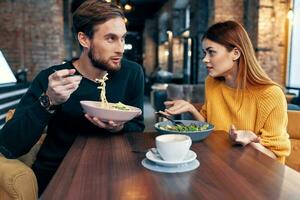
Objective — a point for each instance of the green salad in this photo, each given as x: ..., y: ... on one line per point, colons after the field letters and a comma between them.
x: 185, y: 128
x: 120, y: 106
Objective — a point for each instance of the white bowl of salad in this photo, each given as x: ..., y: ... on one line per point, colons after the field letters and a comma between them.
x: 110, y: 111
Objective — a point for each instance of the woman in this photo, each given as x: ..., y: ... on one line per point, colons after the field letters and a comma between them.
x: 240, y: 97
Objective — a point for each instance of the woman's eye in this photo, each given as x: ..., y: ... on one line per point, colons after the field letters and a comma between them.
x: 211, y: 53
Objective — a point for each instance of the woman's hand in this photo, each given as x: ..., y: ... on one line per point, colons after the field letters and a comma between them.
x: 242, y: 137
x: 178, y: 107
x: 111, y: 126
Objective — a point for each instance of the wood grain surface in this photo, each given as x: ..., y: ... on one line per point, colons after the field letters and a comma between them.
x: 110, y: 168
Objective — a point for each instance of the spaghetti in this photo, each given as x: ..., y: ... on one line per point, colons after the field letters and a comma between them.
x: 103, y: 100
x: 102, y: 85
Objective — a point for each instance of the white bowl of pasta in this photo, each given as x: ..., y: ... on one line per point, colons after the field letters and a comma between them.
x: 110, y: 111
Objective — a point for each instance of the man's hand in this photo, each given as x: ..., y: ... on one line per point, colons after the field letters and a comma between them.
x: 111, y: 126
x: 242, y: 137
x: 61, y: 85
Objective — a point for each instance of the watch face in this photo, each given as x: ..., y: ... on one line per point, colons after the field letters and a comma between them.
x: 44, y: 99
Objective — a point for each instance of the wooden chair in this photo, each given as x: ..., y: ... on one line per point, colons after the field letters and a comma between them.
x: 293, y: 128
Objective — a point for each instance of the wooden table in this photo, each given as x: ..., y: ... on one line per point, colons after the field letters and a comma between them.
x: 110, y: 168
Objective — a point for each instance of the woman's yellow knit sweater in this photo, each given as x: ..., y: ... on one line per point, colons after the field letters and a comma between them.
x: 263, y: 111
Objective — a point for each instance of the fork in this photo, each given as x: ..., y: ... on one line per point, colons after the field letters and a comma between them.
x: 170, y: 119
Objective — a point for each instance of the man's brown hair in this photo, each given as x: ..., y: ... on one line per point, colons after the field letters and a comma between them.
x: 91, y: 13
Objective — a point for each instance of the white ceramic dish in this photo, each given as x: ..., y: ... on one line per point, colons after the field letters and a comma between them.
x: 165, y: 169
x: 93, y: 108
x: 191, y: 155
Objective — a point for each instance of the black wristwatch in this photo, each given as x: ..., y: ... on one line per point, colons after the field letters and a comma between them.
x: 46, y: 103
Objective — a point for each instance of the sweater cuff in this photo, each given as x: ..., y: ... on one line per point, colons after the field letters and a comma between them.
x: 40, y: 114
x: 281, y: 159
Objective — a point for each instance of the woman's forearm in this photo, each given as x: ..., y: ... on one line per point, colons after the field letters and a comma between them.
x: 196, y: 114
x: 263, y: 149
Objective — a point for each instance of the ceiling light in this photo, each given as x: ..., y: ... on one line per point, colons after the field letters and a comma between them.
x: 128, y: 46
x: 128, y: 7
x: 166, y: 52
x: 186, y: 34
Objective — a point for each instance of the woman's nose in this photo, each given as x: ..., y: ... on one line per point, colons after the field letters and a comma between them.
x: 205, y: 59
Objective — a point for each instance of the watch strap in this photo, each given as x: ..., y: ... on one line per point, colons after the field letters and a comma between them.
x: 46, y: 103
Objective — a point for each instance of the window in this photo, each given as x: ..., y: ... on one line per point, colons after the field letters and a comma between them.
x: 6, y: 75
x: 294, y: 62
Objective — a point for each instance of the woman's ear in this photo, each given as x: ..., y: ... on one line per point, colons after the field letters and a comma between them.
x: 236, y: 54
x: 83, y: 40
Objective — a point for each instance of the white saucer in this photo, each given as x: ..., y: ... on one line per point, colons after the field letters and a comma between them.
x: 177, y: 169
x: 158, y: 160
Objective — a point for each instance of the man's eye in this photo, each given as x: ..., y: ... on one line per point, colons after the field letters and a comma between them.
x: 110, y: 39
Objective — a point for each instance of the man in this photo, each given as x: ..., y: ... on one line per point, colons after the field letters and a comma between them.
x: 55, y: 94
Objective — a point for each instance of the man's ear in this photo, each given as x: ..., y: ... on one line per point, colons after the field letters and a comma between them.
x: 236, y: 53
x: 83, y: 39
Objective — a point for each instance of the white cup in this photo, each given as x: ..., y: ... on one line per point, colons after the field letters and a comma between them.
x: 173, y: 147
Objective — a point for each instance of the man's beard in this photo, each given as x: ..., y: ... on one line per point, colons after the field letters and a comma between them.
x: 101, y: 63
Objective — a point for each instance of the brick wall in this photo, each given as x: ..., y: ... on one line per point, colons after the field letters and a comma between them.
x: 228, y: 10
x: 266, y: 27
x: 31, y: 34
x: 271, y: 42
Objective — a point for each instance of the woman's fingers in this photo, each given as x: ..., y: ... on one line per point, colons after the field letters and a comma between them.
x: 256, y: 140
x: 164, y: 113
x: 233, y: 133
x: 169, y: 103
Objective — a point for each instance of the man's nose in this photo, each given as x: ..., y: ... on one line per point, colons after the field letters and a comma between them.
x: 120, y: 46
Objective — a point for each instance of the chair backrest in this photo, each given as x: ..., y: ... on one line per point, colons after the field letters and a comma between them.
x: 293, y: 160
x: 294, y: 124
x: 17, y: 180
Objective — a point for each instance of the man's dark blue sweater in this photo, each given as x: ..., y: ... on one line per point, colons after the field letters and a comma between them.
x: 30, y: 119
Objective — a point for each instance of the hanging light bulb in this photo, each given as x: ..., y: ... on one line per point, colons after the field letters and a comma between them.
x: 128, y: 7
x: 108, y: 1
